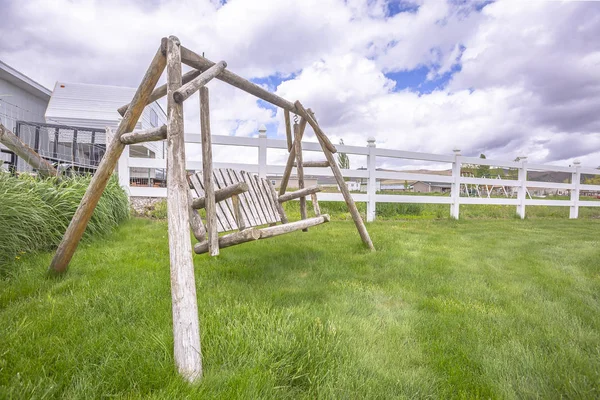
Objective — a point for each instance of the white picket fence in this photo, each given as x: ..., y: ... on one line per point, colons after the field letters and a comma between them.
x: 371, y: 197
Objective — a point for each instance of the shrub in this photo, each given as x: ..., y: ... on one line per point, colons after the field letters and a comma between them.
x: 35, y: 212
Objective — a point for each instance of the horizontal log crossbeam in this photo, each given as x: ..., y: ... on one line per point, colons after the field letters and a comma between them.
x: 149, y: 135
x: 222, y: 194
x: 299, y: 193
x: 313, y: 164
x: 292, y: 226
x: 247, y: 235
x: 195, y: 84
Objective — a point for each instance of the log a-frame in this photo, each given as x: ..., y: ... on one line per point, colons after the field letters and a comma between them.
x: 181, y: 215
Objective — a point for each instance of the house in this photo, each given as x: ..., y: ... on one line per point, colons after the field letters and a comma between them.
x: 431, y: 187
x: 95, y: 107
x: 293, y: 181
x: 21, y: 99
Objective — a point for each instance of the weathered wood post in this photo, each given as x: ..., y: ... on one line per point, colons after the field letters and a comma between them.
x: 186, y: 330
x: 455, y: 188
x: 207, y: 174
x: 575, y: 181
x: 522, y: 191
x: 300, y: 170
x: 372, y: 187
x: 90, y: 199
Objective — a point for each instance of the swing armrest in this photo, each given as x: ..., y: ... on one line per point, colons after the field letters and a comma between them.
x: 299, y: 193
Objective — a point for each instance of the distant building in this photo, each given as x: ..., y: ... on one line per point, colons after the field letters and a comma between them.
x: 21, y: 99
x: 431, y: 187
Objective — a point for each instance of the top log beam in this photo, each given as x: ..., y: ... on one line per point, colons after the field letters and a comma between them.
x: 194, y: 60
x: 195, y: 84
x: 90, y: 199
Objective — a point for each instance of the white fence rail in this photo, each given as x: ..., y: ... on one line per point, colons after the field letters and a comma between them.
x: 371, y: 174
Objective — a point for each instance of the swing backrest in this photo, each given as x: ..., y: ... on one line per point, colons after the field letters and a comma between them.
x: 258, y: 205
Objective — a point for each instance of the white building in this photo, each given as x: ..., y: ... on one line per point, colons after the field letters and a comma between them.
x: 21, y: 99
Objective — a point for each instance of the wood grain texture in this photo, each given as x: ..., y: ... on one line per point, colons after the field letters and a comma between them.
x: 207, y: 174
x: 299, y: 193
x: 300, y: 172
x: 238, y: 213
x: 29, y: 155
x: 232, y: 179
x: 291, y: 159
x: 315, y: 202
x: 198, y: 187
x: 314, y: 164
x: 292, y: 226
x: 84, y: 212
x: 230, y: 239
x: 195, y: 84
x: 198, y: 229
x: 288, y: 130
x: 200, y: 63
x: 186, y: 329
x: 221, y: 194
x: 149, y: 135
x: 161, y: 91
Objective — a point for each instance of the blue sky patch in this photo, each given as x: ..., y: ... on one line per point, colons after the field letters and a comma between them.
x: 416, y: 80
x: 394, y: 7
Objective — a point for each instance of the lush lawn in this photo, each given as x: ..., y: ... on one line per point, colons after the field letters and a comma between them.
x: 491, y: 309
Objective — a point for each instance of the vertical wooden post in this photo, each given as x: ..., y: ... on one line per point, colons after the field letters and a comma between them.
x: 360, y: 225
x: 207, y: 174
x: 455, y: 189
x: 300, y: 170
x: 522, y: 193
x: 288, y: 129
x: 122, y: 165
x: 372, y: 186
x: 186, y: 330
x: 575, y: 181
x: 90, y: 199
x: 262, y: 152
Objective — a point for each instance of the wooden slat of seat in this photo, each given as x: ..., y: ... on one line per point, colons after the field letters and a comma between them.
x: 261, y: 198
x: 222, y: 221
x: 253, y: 214
x: 272, y: 205
x: 230, y: 179
x: 227, y: 204
x: 257, y: 207
x: 199, y: 188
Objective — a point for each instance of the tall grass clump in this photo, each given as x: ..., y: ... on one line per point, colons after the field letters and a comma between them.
x: 35, y: 212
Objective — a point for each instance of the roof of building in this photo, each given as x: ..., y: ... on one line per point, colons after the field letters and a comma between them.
x: 22, y: 81
x: 88, y: 101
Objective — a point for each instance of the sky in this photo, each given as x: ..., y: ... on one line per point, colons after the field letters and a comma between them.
x: 503, y: 78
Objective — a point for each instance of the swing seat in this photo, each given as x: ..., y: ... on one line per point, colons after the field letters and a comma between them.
x: 245, y: 202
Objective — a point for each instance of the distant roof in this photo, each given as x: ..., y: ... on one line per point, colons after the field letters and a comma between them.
x: 88, y: 101
x: 22, y: 81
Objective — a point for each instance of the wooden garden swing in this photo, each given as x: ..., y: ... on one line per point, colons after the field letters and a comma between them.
x: 233, y: 200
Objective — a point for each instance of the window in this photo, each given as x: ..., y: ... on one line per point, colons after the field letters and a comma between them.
x: 273, y: 182
x: 153, y: 118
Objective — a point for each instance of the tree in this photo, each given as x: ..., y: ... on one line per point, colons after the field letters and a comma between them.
x: 343, y: 160
x: 483, y: 170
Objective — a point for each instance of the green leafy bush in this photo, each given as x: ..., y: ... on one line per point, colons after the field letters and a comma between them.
x: 35, y: 212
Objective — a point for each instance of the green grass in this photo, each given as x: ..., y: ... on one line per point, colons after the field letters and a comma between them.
x: 443, y: 309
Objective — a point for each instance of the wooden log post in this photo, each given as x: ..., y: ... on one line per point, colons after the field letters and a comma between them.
x: 288, y: 130
x: 195, y: 84
x: 315, y: 202
x: 222, y: 194
x: 292, y: 226
x: 300, y: 171
x: 149, y: 135
x: 186, y: 329
x: 237, y: 212
x: 90, y: 199
x: 360, y: 225
x: 161, y: 91
x: 196, y: 224
x: 207, y: 174
x: 247, y: 235
x: 291, y: 160
x: 21, y: 149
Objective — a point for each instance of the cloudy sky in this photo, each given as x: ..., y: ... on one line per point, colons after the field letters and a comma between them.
x: 505, y: 78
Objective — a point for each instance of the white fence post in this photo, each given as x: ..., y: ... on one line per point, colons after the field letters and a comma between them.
x: 575, y: 180
x: 262, y: 151
x: 372, y: 184
x: 123, y: 170
x: 522, y: 191
x: 455, y: 189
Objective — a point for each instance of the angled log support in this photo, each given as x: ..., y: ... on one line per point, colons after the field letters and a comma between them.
x: 291, y: 159
x: 90, y: 199
x: 222, y: 194
x: 313, y: 123
x: 299, y: 193
x: 300, y: 171
x: 149, y: 135
x: 195, y: 84
x: 32, y: 158
x: 186, y: 329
